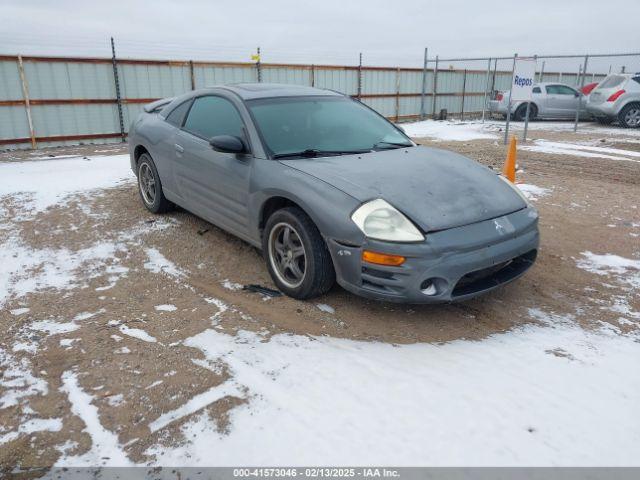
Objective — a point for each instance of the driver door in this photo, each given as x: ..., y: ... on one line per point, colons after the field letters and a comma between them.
x: 214, y: 185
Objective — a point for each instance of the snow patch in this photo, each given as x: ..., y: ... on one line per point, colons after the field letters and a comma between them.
x: 500, y: 401
x: 19, y: 311
x: 137, y: 333
x: 166, y: 308
x: 626, y: 270
x: 325, y: 308
x: 105, y: 449
x: 158, y: 263
x: 449, y: 130
x: 42, y: 184
x: 533, y: 192
x: 579, y: 150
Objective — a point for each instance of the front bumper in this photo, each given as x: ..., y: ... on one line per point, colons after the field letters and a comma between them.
x: 460, y: 263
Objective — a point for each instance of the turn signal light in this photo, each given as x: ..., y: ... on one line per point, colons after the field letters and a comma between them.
x: 382, y: 258
x: 615, y: 96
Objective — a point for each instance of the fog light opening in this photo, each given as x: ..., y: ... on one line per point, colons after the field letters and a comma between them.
x: 428, y: 287
x: 434, y: 286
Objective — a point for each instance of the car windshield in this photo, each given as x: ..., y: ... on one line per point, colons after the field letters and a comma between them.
x: 319, y: 126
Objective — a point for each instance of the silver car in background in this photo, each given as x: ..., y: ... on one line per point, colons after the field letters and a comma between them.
x: 617, y: 97
x: 549, y: 101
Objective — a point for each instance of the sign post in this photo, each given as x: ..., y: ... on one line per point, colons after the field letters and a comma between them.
x: 524, y: 71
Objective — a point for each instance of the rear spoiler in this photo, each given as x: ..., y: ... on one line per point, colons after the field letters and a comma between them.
x: 155, y: 106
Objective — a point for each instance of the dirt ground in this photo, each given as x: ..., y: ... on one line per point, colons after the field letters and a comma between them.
x: 593, y: 205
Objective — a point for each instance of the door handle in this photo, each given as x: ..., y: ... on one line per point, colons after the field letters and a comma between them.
x: 178, y: 148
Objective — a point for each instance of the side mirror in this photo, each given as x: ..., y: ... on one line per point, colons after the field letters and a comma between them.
x: 577, y: 94
x: 227, y: 144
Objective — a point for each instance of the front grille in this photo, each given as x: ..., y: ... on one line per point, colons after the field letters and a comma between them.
x: 495, y: 275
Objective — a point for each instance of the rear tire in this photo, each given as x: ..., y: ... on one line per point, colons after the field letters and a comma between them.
x: 629, y: 116
x: 297, y: 257
x: 521, y: 112
x: 150, y: 186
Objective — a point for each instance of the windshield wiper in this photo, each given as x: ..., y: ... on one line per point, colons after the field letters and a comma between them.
x: 391, y: 144
x: 312, y: 152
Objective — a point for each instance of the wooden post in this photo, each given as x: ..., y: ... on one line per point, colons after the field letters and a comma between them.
x: 191, y: 74
x: 397, y: 94
x: 27, y: 104
x: 313, y: 75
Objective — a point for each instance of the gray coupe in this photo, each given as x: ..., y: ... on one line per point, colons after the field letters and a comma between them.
x: 330, y: 190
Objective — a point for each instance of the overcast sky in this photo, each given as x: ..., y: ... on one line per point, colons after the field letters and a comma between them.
x: 321, y: 31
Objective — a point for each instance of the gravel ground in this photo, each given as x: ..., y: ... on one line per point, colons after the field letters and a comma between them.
x: 591, y: 205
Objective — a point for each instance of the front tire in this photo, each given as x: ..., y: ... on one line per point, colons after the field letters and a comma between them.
x: 297, y: 257
x: 150, y: 186
x: 629, y: 116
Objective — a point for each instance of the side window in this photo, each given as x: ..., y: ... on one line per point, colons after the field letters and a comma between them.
x: 561, y: 90
x: 537, y: 90
x: 211, y: 116
x: 176, y: 116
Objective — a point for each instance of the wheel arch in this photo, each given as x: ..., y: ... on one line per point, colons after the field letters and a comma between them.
x: 138, y: 151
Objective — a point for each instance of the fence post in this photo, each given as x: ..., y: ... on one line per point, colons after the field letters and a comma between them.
x: 397, y: 93
x: 464, y: 87
x: 191, y: 74
x: 541, y: 77
x: 528, y: 111
x: 313, y: 75
x: 27, y: 102
x: 506, y: 129
x: 117, y: 82
x: 360, y: 77
x: 434, y: 96
x: 258, y: 65
x: 424, y: 84
x: 486, y: 87
x: 581, y: 84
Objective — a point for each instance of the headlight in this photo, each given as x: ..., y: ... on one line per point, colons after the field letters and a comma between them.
x: 379, y: 220
x: 515, y: 189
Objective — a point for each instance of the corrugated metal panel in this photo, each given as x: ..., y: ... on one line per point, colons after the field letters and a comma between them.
x: 13, y: 123
x: 297, y: 76
x: 10, y: 88
x: 341, y: 80
x: 378, y: 81
x: 50, y: 120
x: 153, y: 81
x: 207, y: 76
x: 67, y: 80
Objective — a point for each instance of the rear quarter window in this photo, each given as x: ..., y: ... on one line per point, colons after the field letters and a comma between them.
x: 176, y: 117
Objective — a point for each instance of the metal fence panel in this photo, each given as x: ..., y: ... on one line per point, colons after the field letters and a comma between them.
x: 152, y: 81
x: 340, y: 79
x: 69, y: 80
x: 74, y: 98
x: 209, y: 75
x: 10, y: 88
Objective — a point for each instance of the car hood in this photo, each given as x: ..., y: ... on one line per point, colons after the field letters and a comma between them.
x: 437, y: 189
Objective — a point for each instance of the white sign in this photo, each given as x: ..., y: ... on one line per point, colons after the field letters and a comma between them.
x: 523, y: 79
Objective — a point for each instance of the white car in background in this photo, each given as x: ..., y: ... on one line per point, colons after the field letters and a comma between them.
x: 549, y: 101
x: 617, y: 97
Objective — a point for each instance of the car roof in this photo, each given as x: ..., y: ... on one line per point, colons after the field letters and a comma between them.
x: 250, y: 91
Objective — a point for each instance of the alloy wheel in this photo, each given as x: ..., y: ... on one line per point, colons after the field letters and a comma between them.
x: 632, y: 118
x: 287, y: 255
x: 147, y: 183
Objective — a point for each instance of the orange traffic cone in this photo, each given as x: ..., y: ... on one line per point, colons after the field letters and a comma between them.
x: 509, y: 169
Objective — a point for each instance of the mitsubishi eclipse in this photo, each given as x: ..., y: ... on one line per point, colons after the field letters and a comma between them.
x: 330, y: 191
